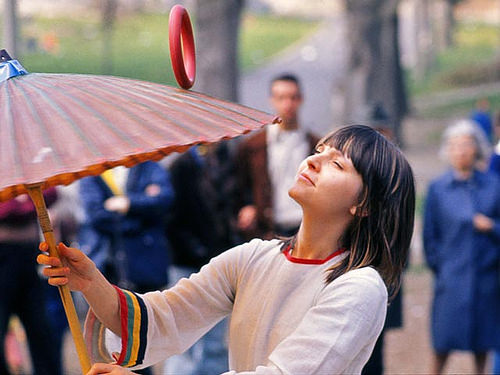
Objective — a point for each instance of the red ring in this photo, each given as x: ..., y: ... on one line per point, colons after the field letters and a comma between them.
x: 179, y: 28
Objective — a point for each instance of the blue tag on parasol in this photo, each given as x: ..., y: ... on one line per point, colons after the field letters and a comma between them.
x: 11, y: 68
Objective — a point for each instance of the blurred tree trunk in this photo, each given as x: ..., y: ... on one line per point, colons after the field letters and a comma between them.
x: 217, y: 29
x: 445, y: 24
x: 10, y: 30
x: 108, y: 18
x: 374, y: 69
x: 425, y: 56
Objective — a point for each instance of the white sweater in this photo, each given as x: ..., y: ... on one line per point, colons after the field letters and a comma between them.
x: 284, y: 318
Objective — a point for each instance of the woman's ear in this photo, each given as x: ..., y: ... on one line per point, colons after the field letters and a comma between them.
x: 358, y: 211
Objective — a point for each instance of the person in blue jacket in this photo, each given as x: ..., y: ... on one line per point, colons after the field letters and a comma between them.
x: 462, y: 247
x: 124, y: 227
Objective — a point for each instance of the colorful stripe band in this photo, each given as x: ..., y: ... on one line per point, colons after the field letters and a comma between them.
x: 134, y: 323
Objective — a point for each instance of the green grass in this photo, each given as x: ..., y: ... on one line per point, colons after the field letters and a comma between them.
x: 140, y: 44
x: 474, y: 44
x: 460, y: 107
x: 265, y: 35
x: 139, y: 48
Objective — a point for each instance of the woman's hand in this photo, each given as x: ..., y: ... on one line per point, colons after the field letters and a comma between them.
x: 103, y: 368
x: 73, y: 267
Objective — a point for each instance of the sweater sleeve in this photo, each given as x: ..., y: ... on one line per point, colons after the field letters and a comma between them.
x: 338, y: 334
x: 157, y: 325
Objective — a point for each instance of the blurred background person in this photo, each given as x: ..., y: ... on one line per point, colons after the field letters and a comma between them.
x: 23, y: 291
x: 123, y: 231
x: 201, y: 228
x: 481, y: 115
x: 495, y: 157
x: 267, y: 164
x: 379, y: 120
x: 462, y: 247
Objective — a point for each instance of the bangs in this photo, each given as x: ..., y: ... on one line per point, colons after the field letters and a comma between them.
x: 358, y: 143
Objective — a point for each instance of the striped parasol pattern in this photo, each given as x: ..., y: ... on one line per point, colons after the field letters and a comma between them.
x: 56, y: 128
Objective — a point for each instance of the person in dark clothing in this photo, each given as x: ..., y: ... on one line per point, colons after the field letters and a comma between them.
x: 201, y: 228
x: 23, y: 291
x: 202, y: 224
x: 267, y: 162
x: 380, y: 121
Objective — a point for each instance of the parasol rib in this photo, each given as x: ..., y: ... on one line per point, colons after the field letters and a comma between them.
x: 182, y: 95
x: 9, y: 141
x: 57, y: 109
x: 37, y: 120
x: 107, y: 122
x: 164, y: 101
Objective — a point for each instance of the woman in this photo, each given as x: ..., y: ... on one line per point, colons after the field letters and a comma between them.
x: 461, y: 241
x: 314, y: 304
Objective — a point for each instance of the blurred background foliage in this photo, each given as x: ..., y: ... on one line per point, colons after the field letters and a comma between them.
x: 472, y: 60
x: 74, y: 45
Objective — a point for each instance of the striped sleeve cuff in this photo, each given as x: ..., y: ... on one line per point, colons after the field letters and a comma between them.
x: 134, y: 324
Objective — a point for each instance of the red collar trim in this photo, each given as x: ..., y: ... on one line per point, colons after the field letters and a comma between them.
x: 293, y: 259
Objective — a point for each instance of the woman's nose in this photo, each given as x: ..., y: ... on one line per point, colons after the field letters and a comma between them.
x: 313, y: 162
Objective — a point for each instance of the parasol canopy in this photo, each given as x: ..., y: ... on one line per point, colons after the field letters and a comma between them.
x: 56, y: 128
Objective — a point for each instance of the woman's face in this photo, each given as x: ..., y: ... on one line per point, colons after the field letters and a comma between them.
x: 327, y: 184
x: 462, y: 150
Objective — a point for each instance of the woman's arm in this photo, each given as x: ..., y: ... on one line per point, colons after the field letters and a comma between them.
x: 157, y: 325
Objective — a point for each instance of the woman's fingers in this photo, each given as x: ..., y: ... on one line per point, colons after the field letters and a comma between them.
x: 58, y: 281
x: 48, y: 260
x: 56, y: 272
x: 103, y: 368
x: 68, y: 253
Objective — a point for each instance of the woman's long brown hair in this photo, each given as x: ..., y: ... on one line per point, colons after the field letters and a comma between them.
x: 379, y: 235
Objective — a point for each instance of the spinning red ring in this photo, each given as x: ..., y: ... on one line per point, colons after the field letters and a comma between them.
x: 182, y: 55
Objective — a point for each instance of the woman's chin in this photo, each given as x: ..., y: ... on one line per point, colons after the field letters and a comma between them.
x: 297, y: 194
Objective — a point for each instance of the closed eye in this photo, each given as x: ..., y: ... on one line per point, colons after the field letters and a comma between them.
x: 338, y: 164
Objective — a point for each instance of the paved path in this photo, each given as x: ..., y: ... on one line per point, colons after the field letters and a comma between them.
x: 455, y: 95
x: 318, y: 61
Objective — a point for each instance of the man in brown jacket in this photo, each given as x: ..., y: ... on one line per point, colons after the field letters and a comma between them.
x: 267, y: 164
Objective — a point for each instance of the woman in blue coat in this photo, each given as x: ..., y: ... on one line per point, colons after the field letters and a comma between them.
x: 462, y: 247
x: 124, y: 227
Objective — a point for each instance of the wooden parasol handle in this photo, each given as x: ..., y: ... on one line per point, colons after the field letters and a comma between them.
x: 35, y: 192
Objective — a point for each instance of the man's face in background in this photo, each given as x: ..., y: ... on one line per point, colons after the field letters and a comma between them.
x: 286, y: 99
